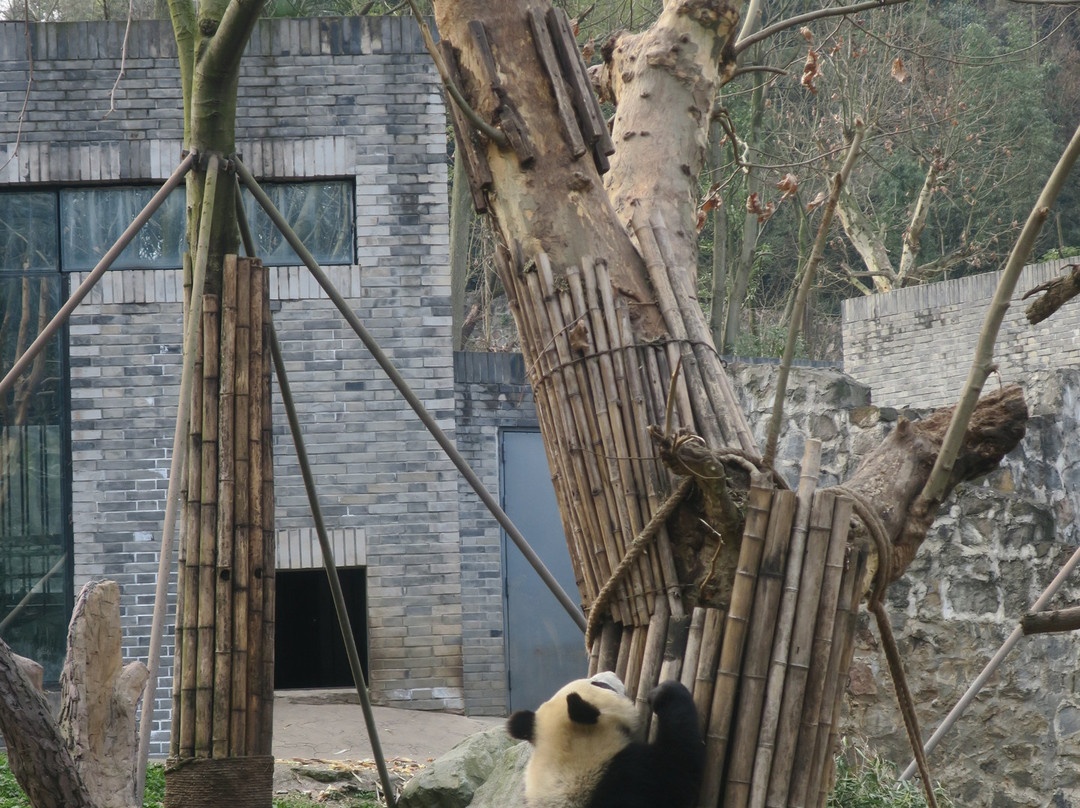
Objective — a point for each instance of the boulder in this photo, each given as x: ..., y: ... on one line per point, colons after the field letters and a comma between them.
x: 452, y: 779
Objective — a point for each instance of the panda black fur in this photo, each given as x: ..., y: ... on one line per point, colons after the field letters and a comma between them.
x: 587, y: 754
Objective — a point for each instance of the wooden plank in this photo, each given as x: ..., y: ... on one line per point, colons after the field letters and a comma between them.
x: 477, y: 171
x: 545, y: 49
x: 593, y: 125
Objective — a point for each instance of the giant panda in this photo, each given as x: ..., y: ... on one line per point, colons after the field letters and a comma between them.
x: 587, y: 752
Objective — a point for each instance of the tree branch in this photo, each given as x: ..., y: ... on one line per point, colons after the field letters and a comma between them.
x: 1050, y: 622
x: 810, y: 16
x: 981, y: 364
x: 1059, y: 291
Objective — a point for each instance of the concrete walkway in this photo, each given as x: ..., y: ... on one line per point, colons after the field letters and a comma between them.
x: 329, y: 725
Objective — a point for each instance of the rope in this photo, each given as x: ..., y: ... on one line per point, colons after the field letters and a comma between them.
x: 876, y: 605
x: 636, y: 548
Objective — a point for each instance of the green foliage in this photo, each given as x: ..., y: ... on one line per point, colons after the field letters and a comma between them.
x: 1058, y: 252
x: 767, y: 340
x: 154, y: 795
x: 864, y: 780
x: 11, y: 796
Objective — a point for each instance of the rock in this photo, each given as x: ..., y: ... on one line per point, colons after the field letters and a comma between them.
x: 452, y: 779
x: 505, y: 787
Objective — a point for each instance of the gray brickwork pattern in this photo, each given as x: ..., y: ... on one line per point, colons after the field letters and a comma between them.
x: 492, y: 394
x: 352, y: 98
x: 913, y: 347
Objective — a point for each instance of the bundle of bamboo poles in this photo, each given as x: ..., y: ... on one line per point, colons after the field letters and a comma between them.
x: 225, y: 609
x: 766, y: 670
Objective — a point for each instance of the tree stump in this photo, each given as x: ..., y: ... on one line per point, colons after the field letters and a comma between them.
x: 99, y: 697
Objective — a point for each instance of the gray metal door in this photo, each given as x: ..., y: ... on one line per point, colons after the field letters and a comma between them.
x: 544, y: 647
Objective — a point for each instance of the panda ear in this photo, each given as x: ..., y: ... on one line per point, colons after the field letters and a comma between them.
x: 580, y: 711
x: 522, y: 725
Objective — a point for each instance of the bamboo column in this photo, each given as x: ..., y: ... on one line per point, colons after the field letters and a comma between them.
x: 223, y: 681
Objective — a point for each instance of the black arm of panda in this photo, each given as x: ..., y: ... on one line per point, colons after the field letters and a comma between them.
x: 666, y: 772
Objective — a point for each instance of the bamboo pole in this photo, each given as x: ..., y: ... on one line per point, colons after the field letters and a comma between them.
x: 259, y: 452
x: 819, y: 658
x: 581, y: 445
x: 678, y: 634
x: 729, y: 414
x: 243, y: 563
x: 806, y: 609
x: 774, y: 689
x: 264, y: 685
x: 652, y: 661
x: 708, y: 659
x: 622, y: 661
x: 204, y: 675
x: 693, y: 648
x: 837, y: 676
x: 755, y: 667
x: 636, y: 660
x: 226, y: 496
x: 735, y: 631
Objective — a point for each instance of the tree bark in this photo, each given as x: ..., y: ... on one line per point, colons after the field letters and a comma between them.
x: 1057, y: 293
x: 99, y: 696
x: 37, y: 754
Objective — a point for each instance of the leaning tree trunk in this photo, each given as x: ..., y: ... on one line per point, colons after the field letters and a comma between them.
x: 678, y: 580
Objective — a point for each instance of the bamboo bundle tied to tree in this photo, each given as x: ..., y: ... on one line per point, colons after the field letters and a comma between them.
x: 224, y: 662
x: 686, y: 569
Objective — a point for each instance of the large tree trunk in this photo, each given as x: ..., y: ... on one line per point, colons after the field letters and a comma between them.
x: 630, y: 393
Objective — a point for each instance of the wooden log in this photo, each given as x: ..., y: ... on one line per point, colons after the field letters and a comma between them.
x: 755, y: 667
x: 204, y: 671
x: 712, y: 637
x: 477, y: 170
x: 226, y: 500
x: 99, y: 695
x: 545, y: 49
x: 819, y: 658
x: 802, y: 636
x: 735, y: 632
x: 593, y: 126
x: 1051, y: 621
x: 774, y: 689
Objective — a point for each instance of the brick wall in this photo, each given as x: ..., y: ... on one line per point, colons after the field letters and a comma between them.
x: 492, y: 394
x: 913, y: 347
x: 342, y: 98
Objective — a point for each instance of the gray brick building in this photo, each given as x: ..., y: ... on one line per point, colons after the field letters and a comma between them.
x: 324, y: 104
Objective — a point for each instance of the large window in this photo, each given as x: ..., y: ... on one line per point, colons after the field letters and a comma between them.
x: 35, y: 558
x: 321, y: 213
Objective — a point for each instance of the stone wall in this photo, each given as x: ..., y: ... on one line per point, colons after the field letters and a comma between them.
x: 996, y: 545
x: 339, y: 98
x: 913, y: 347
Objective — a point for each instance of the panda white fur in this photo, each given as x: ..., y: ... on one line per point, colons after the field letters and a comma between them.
x: 587, y: 752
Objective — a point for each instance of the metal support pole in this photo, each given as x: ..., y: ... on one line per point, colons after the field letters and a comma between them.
x: 425, y: 417
x: 176, y: 469
x: 47, y: 333
x: 331, y: 568
x: 992, y: 665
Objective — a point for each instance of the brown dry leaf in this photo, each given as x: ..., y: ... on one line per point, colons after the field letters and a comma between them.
x: 702, y: 217
x: 764, y: 212
x: 807, y: 33
x: 789, y: 184
x: 899, y: 72
x: 816, y: 202
x: 588, y: 50
x: 811, y: 71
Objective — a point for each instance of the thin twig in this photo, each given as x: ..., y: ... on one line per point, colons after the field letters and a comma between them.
x: 804, y: 290
x: 497, y: 136
x: 123, y: 60
x: 982, y: 363
x: 799, y: 19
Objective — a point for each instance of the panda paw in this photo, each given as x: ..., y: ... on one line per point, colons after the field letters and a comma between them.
x: 668, y: 694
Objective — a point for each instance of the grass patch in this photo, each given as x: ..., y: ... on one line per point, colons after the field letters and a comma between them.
x: 865, y: 780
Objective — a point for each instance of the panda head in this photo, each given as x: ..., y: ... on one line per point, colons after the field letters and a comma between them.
x: 575, y: 734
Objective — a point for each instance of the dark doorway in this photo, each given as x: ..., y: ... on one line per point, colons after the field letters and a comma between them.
x: 308, y: 649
